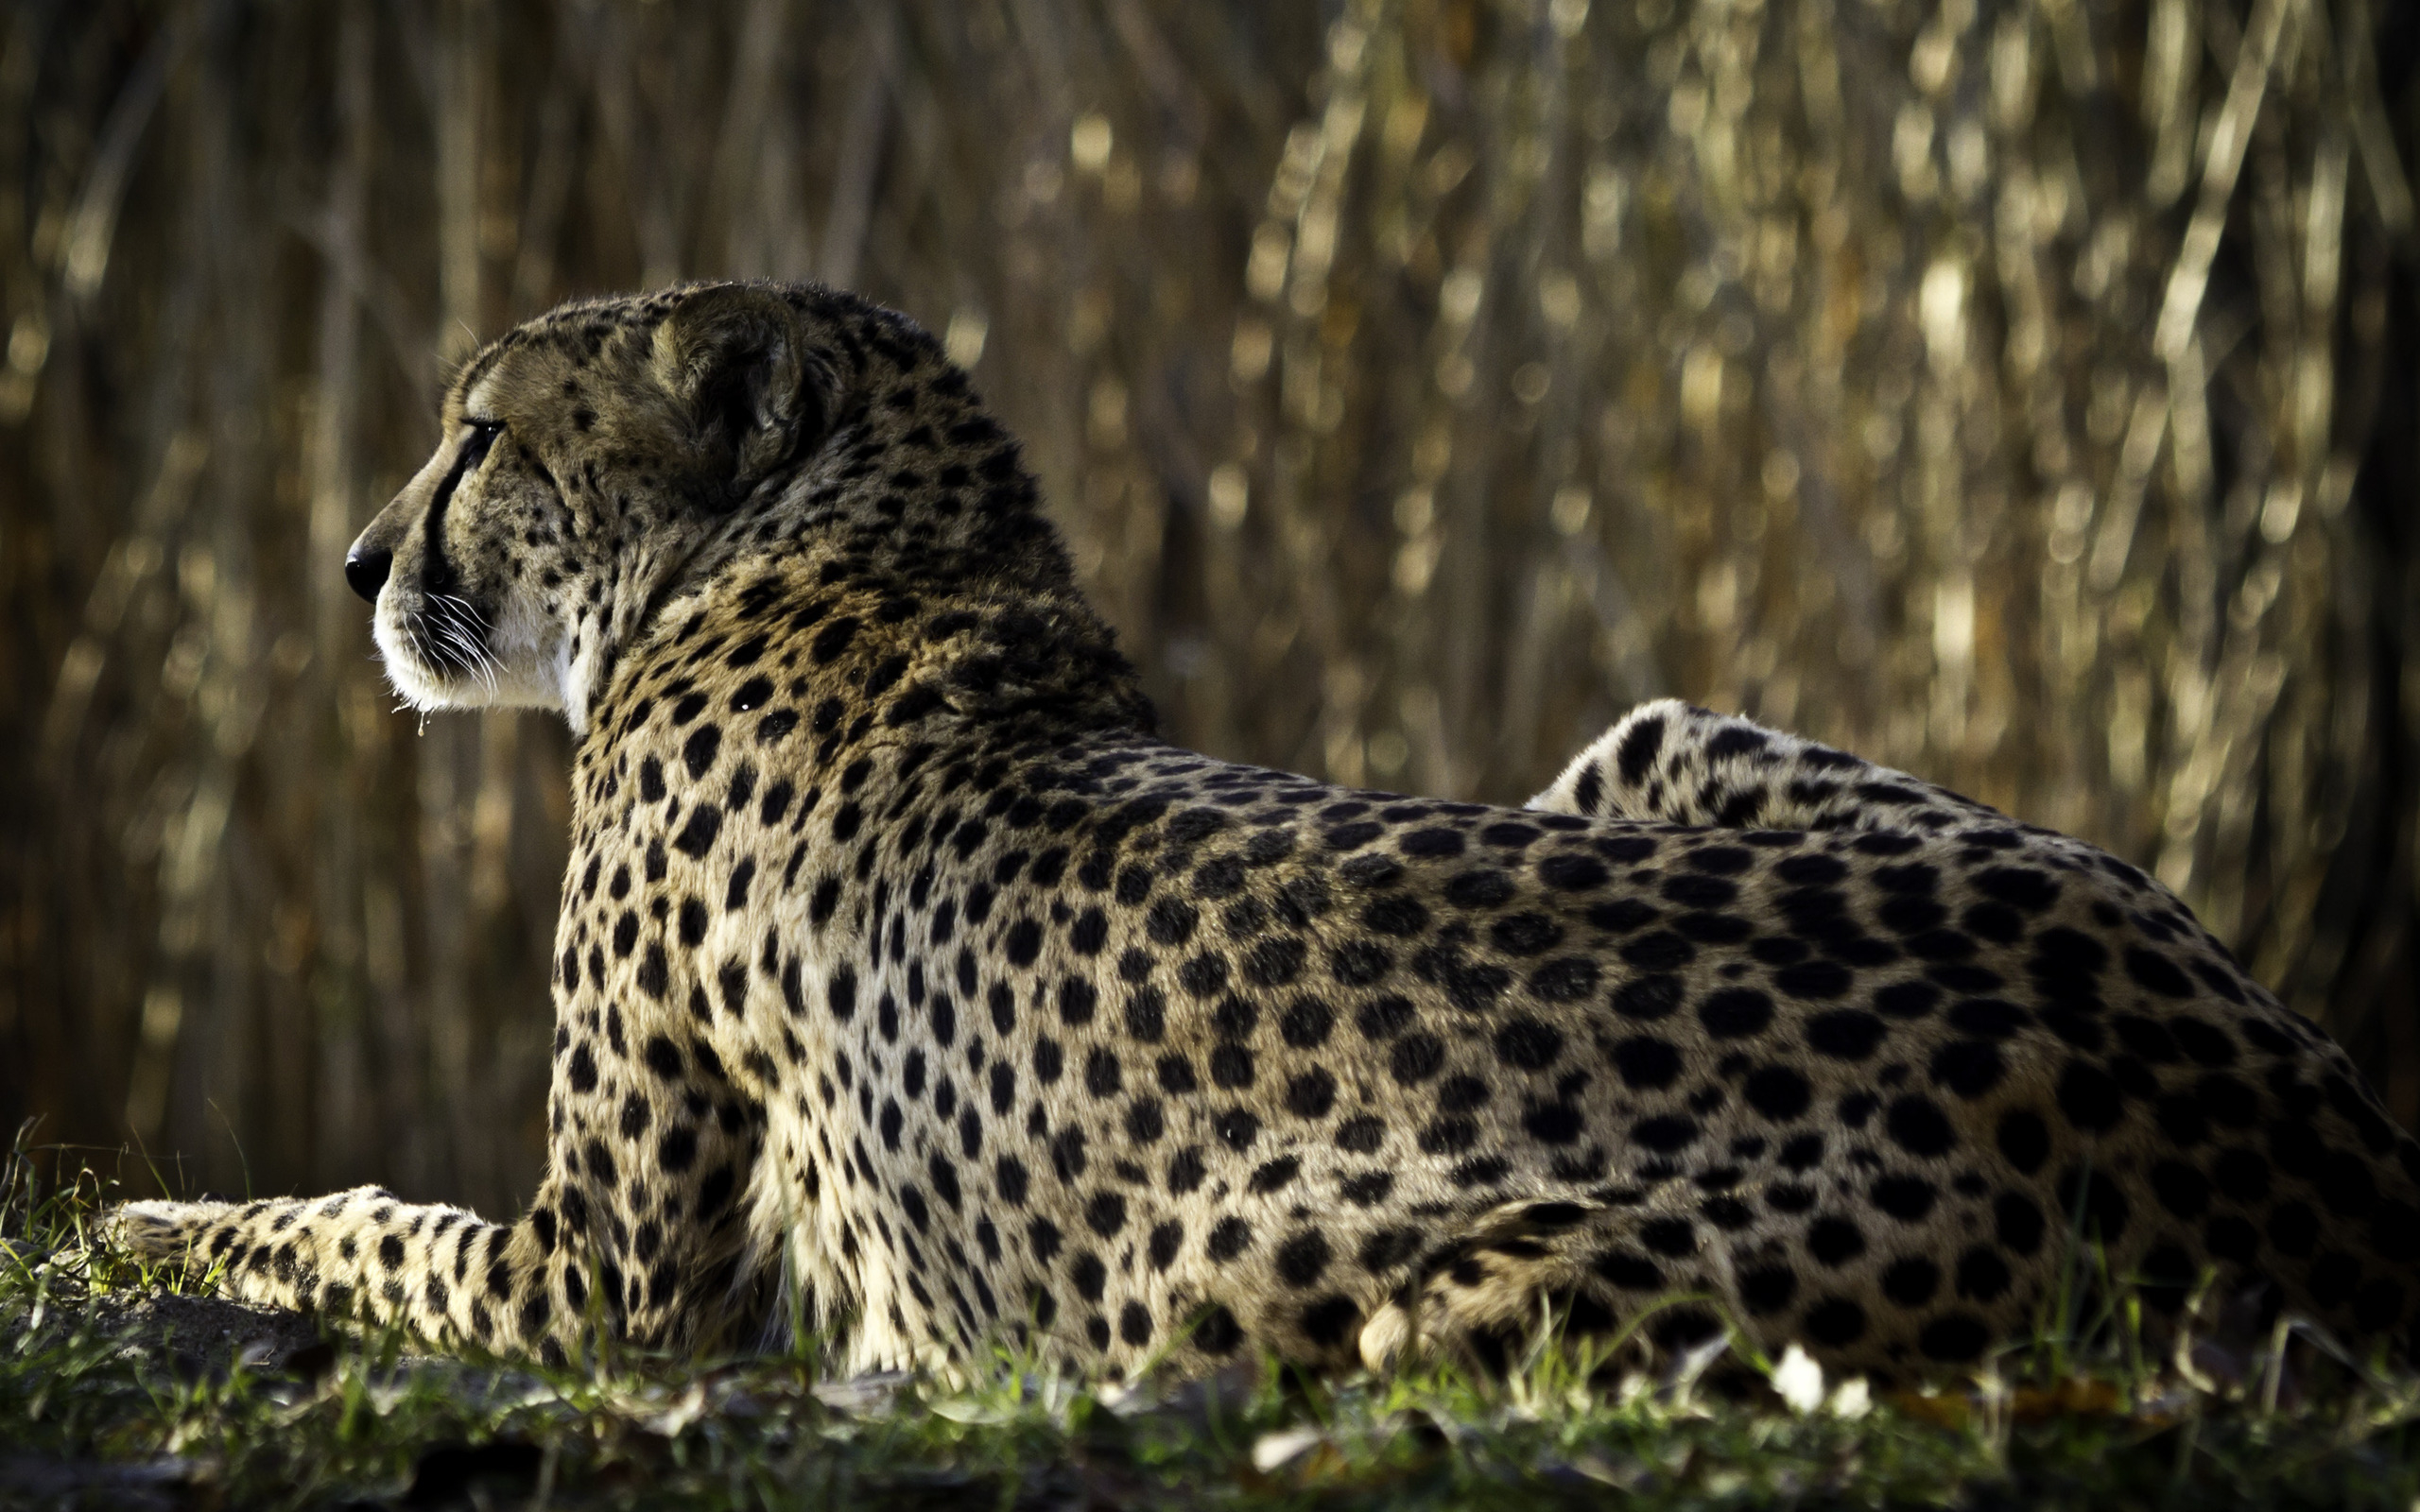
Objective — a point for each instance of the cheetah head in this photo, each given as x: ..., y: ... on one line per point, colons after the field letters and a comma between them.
x: 602, y: 460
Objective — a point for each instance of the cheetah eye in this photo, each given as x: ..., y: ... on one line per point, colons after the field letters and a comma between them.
x: 474, y: 450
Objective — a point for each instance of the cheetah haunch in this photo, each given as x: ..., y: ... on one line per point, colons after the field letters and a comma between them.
x: 898, y: 959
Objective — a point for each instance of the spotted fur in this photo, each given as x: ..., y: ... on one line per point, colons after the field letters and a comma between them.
x: 898, y: 956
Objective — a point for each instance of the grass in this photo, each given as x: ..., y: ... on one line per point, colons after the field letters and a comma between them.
x: 117, y: 1390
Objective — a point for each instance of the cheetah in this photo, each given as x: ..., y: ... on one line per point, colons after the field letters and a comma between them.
x: 908, y: 985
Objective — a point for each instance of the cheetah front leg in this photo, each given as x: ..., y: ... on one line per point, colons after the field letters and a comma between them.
x: 440, y: 1272
x: 637, y: 1231
x: 1672, y: 762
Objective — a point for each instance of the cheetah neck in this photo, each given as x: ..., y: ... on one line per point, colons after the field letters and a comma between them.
x: 781, y: 719
x: 877, y: 512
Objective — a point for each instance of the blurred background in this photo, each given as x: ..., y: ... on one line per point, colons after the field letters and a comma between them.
x: 2021, y: 393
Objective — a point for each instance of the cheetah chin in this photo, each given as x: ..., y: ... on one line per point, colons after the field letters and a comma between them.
x: 906, y: 980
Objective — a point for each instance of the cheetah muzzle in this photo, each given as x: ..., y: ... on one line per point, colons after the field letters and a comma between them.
x: 898, y: 958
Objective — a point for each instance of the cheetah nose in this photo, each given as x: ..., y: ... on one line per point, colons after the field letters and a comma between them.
x: 367, y: 572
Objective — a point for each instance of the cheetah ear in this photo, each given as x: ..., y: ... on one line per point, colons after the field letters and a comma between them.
x: 735, y: 360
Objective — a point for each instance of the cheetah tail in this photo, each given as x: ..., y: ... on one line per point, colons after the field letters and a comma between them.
x: 1672, y: 762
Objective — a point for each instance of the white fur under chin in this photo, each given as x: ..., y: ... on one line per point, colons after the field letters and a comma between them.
x: 524, y: 670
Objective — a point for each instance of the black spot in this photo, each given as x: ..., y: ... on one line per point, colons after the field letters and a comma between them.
x: 699, y: 752
x: 2098, y: 1201
x: 1274, y: 1176
x: 1718, y: 860
x: 1910, y: 1280
x: 2020, y: 887
x: 1416, y: 1058
x: 1661, y: 951
x: 1147, y: 1015
x: 2090, y: 1098
x: 2293, y: 1227
x: 1229, y: 1238
x: 1834, y: 1241
x: 1556, y: 1122
x: 2203, y: 1043
x: 1917, y: 1126
x: 1480, y: 889
x: 1735, y: 1012
x: 1237, y: 1126
x: 1674, y: 1237
x: 1648, y: 998
x: 1394, y: 914
x: 2017, y: 1222
x: 1768, y: 1290
x: 2181, y: 1189
x: 1526, y: 1044
x: 1908, y: 1000
x: 1023, y: 942
x: 1907, y: 1199
x: 1231, y: 1066
x: 1273, y: 962
x: 1836, y: 1322
x: 1573, y: 874
x: 1623, y: 914
x: 1954, y: 1338
x: 1448, y: 1136
x: 833, y: 639
x: 1982, y: 1275
x: 1306, y: 1023
x: 1845, y: 1034
x: 1077, y: 999
x: 2158, y: 972
x: 1369, y: 1188
x: 663, y: 1056
x: 1650, y: 1064
x: 1311, y: 1093
x: 1218, y: 1334
x: 2023, y: 1139
x: 1187, y: 1171
x: 1134, y: 1324
x: 1567, y: 980
x: 1814, y: 980
x: 1970, y: 1067
x: 698, y: 837
x: 1629, y: 1271
x: 1360, y: 1136
x: 1777, y: 1092
x: 2243, y: 1174
x: 1665, y: 1133
x: 1588, y: 788
x: 1640, y: 745
x: 2227, y: 1100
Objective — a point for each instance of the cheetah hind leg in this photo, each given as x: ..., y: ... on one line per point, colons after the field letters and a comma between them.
x: 1595, y: 1279
x: 1672, y: 762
